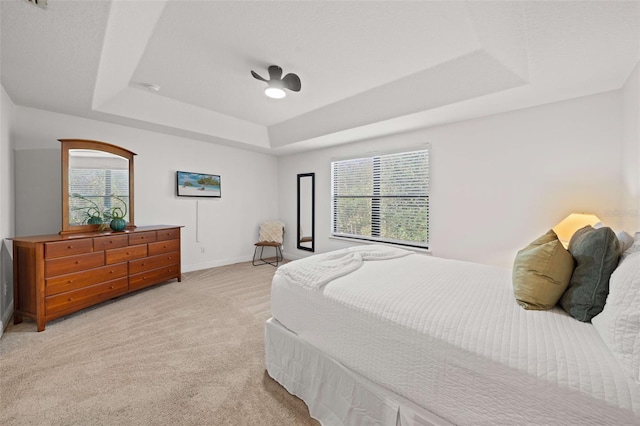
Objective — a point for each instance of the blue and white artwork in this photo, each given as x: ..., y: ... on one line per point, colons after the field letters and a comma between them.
x: 198, y: 185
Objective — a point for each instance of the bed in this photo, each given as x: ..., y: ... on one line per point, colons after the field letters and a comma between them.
x: 403, y: 338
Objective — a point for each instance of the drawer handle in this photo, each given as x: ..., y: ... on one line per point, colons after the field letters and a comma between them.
x: 144, y: 278
x: 70, y: 281
x: 77, y: 262
x: 144, y: 264
x: 169, y: 258
x: 70, y: 299
x: 111, y: 272
x: 111, y: 288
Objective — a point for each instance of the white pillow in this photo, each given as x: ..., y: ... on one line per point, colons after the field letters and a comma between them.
x: 625, y: 240
x: 619, y: 322
x: 634, y: 248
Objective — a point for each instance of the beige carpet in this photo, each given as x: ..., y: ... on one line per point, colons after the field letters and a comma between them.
x: 189, y: 353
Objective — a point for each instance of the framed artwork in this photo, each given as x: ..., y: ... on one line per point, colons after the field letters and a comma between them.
x: 189, y: 184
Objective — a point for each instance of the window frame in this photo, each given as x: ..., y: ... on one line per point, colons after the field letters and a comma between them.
x: 376, y: 200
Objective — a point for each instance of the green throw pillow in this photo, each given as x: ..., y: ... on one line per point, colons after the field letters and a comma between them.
x: 541, y: 273
x: 596, y: 253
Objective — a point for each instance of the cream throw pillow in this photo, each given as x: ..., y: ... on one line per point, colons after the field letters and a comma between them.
x: 541, y: 273
x: 271, y: 231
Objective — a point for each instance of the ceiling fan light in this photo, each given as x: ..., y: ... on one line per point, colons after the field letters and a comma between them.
x: 275, y: 92
x: 152, y: 87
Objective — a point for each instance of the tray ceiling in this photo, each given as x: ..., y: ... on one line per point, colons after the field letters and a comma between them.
x: 367, y: 68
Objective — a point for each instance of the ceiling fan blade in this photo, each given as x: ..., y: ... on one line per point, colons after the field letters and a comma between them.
x: 253, y: 73
x: 275, y: 72
x: 292, y: 82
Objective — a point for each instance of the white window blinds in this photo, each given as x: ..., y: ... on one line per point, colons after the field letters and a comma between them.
x: 382, y: 198
x: 96, y: 187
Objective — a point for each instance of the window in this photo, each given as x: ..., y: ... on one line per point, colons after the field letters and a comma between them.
x: 382, y: 198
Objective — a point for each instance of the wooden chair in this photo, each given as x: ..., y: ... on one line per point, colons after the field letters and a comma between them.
x: 271, y: 235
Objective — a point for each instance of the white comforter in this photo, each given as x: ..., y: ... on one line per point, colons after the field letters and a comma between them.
x: 449, y: 336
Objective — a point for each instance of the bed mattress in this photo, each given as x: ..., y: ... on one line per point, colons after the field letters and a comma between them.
x: 448, y: 336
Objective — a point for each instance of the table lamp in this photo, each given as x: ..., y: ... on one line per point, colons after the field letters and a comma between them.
x: 570, y: 224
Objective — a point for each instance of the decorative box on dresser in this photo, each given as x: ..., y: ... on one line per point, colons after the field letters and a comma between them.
x: 56, y: 275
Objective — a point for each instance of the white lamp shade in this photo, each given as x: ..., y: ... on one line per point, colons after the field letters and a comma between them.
x: 570, y: 224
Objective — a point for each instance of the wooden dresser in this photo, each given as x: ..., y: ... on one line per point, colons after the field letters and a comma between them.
x: 56, y: 275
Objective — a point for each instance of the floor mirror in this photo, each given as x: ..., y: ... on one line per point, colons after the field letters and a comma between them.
x: 306, y: 211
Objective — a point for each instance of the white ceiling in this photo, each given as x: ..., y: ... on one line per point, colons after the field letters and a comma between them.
x: 367, y: 68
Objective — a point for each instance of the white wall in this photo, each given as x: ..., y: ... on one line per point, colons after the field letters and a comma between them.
x: 227, y: 227
x: 497, y: 182
x: 630, y: 214
x: 6, y: 207
x: 38, y: 202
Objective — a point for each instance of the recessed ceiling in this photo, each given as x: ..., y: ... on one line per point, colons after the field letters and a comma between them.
x: 367, y: 68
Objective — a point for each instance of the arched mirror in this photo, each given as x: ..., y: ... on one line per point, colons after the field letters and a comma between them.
x: 306, y: 211
x: 97, y: 183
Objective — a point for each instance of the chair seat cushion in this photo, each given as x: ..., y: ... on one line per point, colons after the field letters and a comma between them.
x: 268, y: 244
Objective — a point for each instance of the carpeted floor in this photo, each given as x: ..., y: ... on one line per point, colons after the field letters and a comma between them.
x: 189, y: 353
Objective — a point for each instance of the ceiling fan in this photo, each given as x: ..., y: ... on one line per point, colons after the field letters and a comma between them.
x: 277, y: 83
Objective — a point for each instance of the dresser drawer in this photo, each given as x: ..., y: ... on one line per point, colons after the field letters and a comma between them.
x: 142, y: 237
x: 69, y: 264
x: 154, y: 262
x: 78, y: 299
x: 164, y: 247
x: 168, y: 234
x: 155, y: 276
x: 78, y: 280
x: 110, y: 242
x: 126, y: 253
x: 67, y: 248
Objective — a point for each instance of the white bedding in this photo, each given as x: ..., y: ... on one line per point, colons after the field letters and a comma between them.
x: 449, y: 337
x: 314, y: 272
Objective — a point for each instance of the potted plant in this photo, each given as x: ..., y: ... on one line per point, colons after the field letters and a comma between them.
x: 92, y: 214
x: 115, y: 215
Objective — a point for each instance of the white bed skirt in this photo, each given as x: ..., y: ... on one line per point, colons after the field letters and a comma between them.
x: 334, y: 394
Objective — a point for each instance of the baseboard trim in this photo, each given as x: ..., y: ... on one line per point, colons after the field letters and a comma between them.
x: 297, y: 256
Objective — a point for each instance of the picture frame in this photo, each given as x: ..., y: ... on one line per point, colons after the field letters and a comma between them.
x: 191, y: 184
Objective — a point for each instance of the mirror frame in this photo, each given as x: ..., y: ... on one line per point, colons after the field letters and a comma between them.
x: 68, y: 144
x: 313, y: 212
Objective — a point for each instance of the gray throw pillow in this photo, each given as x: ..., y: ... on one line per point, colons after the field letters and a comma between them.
x: 596, y: 253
